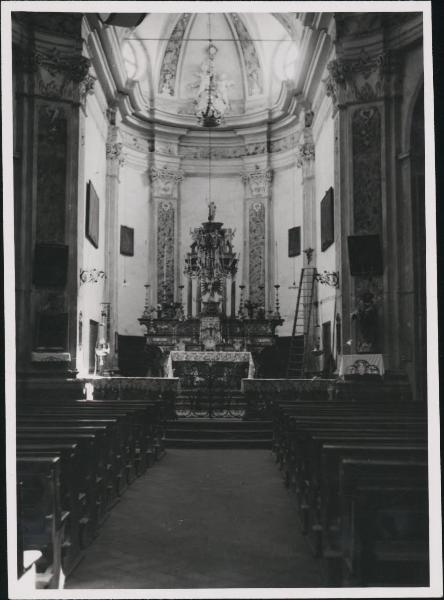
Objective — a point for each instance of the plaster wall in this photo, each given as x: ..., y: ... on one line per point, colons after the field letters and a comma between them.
x: 94, y: 169
x: 324, y: 179
x: 287, y: 207
x: 133, y: 270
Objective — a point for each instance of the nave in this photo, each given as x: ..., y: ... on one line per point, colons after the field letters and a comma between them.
x: 202, y: 519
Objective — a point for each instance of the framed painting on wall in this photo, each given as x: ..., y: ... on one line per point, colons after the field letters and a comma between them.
x: 327, y: 220
x: 294, y: 241
x: 92, y: 215
x: 126, y: 240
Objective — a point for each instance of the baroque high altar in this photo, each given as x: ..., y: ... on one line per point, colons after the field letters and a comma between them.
x: 213, y: 325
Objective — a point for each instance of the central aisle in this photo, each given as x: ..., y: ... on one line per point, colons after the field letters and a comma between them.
x: 202, y: 519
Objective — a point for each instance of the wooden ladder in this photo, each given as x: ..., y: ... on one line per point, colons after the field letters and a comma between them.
x: 297, y: 356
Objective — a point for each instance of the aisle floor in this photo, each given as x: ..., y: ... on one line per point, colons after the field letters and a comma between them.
x: 202, y: 519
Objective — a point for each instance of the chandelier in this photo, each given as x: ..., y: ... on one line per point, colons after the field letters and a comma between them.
x: 212, y: 99
x: 209, y: 104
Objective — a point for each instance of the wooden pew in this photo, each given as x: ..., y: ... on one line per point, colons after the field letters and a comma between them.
x: 384, y: 523
x: 42, y: 519
x: 76, y: 535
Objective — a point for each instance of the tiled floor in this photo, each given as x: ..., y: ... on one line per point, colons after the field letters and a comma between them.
x: 202, y: 519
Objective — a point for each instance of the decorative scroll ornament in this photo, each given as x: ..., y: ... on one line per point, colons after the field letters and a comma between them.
x: 305, y: 153
x: 258, y: 181
x: 114, y: 152
x: 328, y: 278
x: 168, y: 70
x: 165, y: 181
x: 59, y: 75
x: 251, y: 60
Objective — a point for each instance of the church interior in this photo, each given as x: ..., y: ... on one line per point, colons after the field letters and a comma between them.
x: 220, y: 300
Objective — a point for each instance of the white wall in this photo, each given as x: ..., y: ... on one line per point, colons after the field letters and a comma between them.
x: 133, y: 270
x: 94, y: 169
x: 324, y: 178
x: 287, y: 205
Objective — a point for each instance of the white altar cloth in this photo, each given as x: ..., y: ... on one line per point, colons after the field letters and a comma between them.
x: 197, y: 356
x: 361, y: 364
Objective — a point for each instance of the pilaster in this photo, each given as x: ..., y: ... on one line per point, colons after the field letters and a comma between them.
x: 362, y: 82
x: 53, y: 81
x: 165, y: 181
x: 257, y: 256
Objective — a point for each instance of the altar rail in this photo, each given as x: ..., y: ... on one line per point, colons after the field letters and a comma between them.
x: 276, y: 386
x: 129, y: 387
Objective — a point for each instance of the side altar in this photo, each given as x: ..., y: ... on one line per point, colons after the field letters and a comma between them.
x: 213, y: 320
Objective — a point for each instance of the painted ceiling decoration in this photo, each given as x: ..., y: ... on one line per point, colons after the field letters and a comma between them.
x: 251, y: 60
x: 170, y: 61
x: 176, y: 47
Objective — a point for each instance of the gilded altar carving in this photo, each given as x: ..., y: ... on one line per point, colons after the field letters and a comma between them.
x: 258, y: 181
x: 165, y: 181
x: 256, y: 224
x: 168, y: 70
x: 165, y: 252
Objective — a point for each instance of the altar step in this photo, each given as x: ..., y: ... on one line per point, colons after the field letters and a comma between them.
x: 218, y: 433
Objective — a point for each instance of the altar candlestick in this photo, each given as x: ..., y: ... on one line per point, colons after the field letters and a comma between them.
x: 233, y: 299
x: 190, y: 298
x: 276, y: 261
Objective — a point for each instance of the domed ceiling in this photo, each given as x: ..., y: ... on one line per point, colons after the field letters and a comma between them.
x: 253, y: 58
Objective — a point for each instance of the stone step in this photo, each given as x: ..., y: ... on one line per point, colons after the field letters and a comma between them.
x: 264, y: 444
x: 206, y: 423
x: 218, y: 434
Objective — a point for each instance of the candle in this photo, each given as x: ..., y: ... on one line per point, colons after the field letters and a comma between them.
x: 164, y: 266
x: 276, y: 261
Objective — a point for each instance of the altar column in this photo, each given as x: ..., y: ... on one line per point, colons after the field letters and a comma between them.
x: 165, y: 181
x: 257, y: 200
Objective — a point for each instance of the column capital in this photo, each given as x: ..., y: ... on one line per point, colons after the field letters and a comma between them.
x: 165, y: 181
x: 56, y: 74
x: 364, y: 78
x: 257, y: 182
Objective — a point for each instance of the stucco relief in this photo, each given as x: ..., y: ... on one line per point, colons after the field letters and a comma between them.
x: 165, y: 251
x: 165, y: 181
x: 258, y: 181
x: 136, y: 143
x: 168, y: 70
x: 366, y: 140
x: 51, y: 174
x: 59, y: 75
x: 203, y: 152
x: 256, y: 225
x: 362, y: 79
x: 251, y: 59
